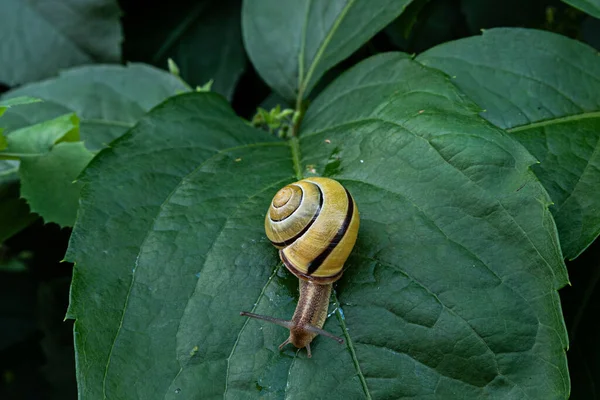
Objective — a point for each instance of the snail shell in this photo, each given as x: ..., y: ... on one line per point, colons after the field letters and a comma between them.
x: 314, y: 222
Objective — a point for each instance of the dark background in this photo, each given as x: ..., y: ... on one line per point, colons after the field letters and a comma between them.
x: 36, y: 346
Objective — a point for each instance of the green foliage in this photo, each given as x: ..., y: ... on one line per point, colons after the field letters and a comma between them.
x: 50, y: 157
x: 6, y: 104
x: 474, y: 166
x: 179, y: 30
x: 545, y: 91
x: 109, y: 99
x: 591, y: 7
x: 15, y: 215
x: 276, y: 120
x: 292, y: 54
x: 39, y: 38
x: 195, y: 224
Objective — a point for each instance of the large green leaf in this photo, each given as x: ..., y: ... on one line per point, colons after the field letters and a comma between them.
x: 50, y: 159
x: 545, y: 90
x: 108, y: 99
x: 203, y: 37
x: 591, y: 7
x: 450, y: 292
x: 38, y: 38
x: 292, y: 43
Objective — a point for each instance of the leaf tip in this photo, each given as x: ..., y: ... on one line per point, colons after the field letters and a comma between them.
x: 173, y: 68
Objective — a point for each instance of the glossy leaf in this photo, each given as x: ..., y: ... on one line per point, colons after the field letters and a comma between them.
x: 39, y: 37
x: 293, y: 43
x: 591, y: 7
x: 108, y: 99
x: 50, y: 159
x: 545, y: 90
x: 203, y: 38
x: 451, y: 288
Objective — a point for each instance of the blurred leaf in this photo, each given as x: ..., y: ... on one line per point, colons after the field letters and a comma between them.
x: 41, y: 37
x: 273, y: 100
x: 50, y: 158
x: 545, y: 90
x: 495, y: 13
x: 17, y: 304
x: 14, y: 212
x: 292, y: 43
x: 426, y: 23
x: 57, y: 342
x: 202, y: 37
x: 452, y: 287
x: 590, y: 30
x: 12, y: 266
x: 48, y: 182
x: 591, y: 7
x: 8, y: 171
x: 37, y: 139
x: 400, y: 29
x: 16, y: 101
x: 581, y: 303
x: 109, y: 99
x: 5, y: 104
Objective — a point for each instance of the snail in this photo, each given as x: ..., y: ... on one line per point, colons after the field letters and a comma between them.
x: 314, y: 224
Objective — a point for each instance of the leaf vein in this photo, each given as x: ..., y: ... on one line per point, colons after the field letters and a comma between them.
x: 323, y: 47
x: 239, y: 335
x: 555, y: 121
x: 151, y: 224
x: 350, y: 347
x: 496, y: 68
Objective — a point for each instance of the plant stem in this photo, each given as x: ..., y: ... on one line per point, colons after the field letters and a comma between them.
x: 295, y: 146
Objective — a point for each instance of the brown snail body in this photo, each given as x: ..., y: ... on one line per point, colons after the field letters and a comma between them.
x: 314, y: 224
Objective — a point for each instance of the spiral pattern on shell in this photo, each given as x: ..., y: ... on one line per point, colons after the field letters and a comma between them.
x: 314, y: 222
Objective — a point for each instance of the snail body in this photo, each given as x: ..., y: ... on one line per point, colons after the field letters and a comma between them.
x: 314, y: 224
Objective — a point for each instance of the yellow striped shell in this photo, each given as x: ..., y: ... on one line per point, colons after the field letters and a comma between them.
x: 314, y: 222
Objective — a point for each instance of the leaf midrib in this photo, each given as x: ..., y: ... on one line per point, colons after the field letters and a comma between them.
x: 296, y: 158
x: 555, y: 121
x: 305, y: 81
x: 260, y: 296
x: 558, y: 121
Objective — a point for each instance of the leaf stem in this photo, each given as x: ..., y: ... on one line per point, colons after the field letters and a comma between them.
x: 295, y: 146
